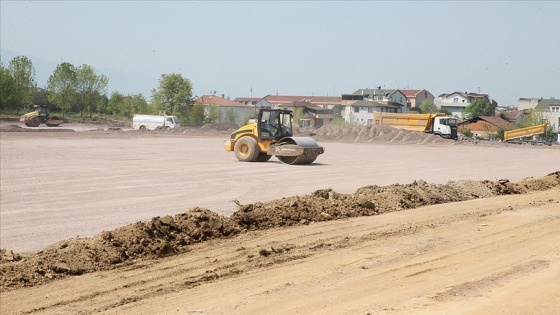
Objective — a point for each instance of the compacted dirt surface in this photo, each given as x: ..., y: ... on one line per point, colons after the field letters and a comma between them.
x: 110, y: 220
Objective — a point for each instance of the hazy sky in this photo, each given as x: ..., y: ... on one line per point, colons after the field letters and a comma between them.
x: 507, y: 49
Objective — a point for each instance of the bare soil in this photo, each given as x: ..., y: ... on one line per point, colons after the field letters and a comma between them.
x: 448, y: 241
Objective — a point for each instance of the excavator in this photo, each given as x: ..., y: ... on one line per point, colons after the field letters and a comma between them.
x: 40, y: 116
x: 271, y: 134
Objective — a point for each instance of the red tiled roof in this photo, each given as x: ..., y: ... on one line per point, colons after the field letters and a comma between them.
x: 247, y: 99
x: 217, y: 101
x: 498, y: 122
x: 279, y: 99
x: 512, y: 115
x: 410, y: 93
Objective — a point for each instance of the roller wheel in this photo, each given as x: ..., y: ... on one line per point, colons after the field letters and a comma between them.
x: 246, y: 149
x: 263, y: 157
x: 35, y: 122
x: 295, y: 160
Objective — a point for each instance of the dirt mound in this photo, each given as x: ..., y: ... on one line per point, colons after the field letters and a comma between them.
x: 17, y: 128
x: 374, y: 133
x: 169, y: 235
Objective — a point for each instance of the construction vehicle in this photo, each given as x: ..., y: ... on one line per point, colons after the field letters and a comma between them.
x: 527, y: 134
x: 438, y: 124
x: 40, y: 116
x: 151, y: 122
x: 271, y: 134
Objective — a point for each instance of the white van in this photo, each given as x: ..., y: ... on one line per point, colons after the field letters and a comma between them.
x: 151, y: 122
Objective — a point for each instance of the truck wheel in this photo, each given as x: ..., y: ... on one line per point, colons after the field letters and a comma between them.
x: 246, y: 149
x: 142, y: 128
x: 35, y: 122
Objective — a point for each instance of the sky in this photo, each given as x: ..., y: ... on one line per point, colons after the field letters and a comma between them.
x: 506, y: 49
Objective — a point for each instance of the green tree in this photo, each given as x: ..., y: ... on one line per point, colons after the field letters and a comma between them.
x: 532, y: 118
x: 90, y: 88
x: 428, y: 106
x: 116, y: 104
x: 501, y: 132
x: 213, y: 115
x: 174, y: 95
x: 196, y: 115
x: 136, y: 104
x: 62, y: 86
x: 7, y: 89
x: 231, y: 116
x: 480, y: 107
x: 22, y: 71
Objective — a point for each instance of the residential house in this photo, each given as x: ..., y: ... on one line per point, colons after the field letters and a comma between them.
x: 456, y: 102
x: 527, y: 103
x: 308, y: 110
x: 230, y: 111
x: 513, y: 116
x: 249, y: 101
x: 415, y: 97
x: 550, y: 108
x: 486, y: 127
x: 359, y: 106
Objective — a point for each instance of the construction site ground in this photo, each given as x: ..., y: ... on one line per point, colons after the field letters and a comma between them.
x: 103, y: 219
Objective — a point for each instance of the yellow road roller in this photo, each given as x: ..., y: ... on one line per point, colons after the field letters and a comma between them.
x: 270, y: 133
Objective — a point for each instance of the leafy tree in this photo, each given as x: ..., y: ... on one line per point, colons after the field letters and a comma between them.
x: 90, y: 88
x: 174, y: 94
x: 532, y: 118
x: 121, y: 105
x: 428, y: 106
x: 62, y: 86
x: 467, y: 133
x: 22, y: 71
x: 40, y: 97
x: 137, y: 104
x: 116, y: 104
x: 213, y: 115
x: 480, y: 107
x: 231, y: 116
x: 196, y: 116
x: 501, y: 132
x: 7, y: 88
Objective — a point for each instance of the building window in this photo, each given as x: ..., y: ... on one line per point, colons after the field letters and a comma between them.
x: 356, y: 109
x: 370, y: 122
x: 555, y: 109
x: 370, y: 110
x: 455, y: 100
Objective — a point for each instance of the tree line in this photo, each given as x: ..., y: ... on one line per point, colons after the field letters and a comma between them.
x: 80, y: 90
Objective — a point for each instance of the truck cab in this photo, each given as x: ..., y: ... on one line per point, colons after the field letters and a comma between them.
x: 445, y: 126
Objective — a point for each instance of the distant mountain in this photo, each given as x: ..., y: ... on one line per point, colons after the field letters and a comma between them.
x: 119, y: 80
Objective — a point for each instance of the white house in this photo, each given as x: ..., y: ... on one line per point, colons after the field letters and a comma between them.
x: 456, y: 102
x: 358, y: 107
x: 230, y: 111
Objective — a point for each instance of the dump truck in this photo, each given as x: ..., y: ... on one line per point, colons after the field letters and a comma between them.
x: 151, y: 122
x: 270, y: 134
x: 526, y: 134
x: 438, y: 124
x: 41, y: 115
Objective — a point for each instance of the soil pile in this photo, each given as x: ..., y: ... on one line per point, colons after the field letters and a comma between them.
x: 170, y: 235
x: 373, y: 133
x: 18, y: 128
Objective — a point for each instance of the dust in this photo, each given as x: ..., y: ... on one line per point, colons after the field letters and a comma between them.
x: 171, y: 235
